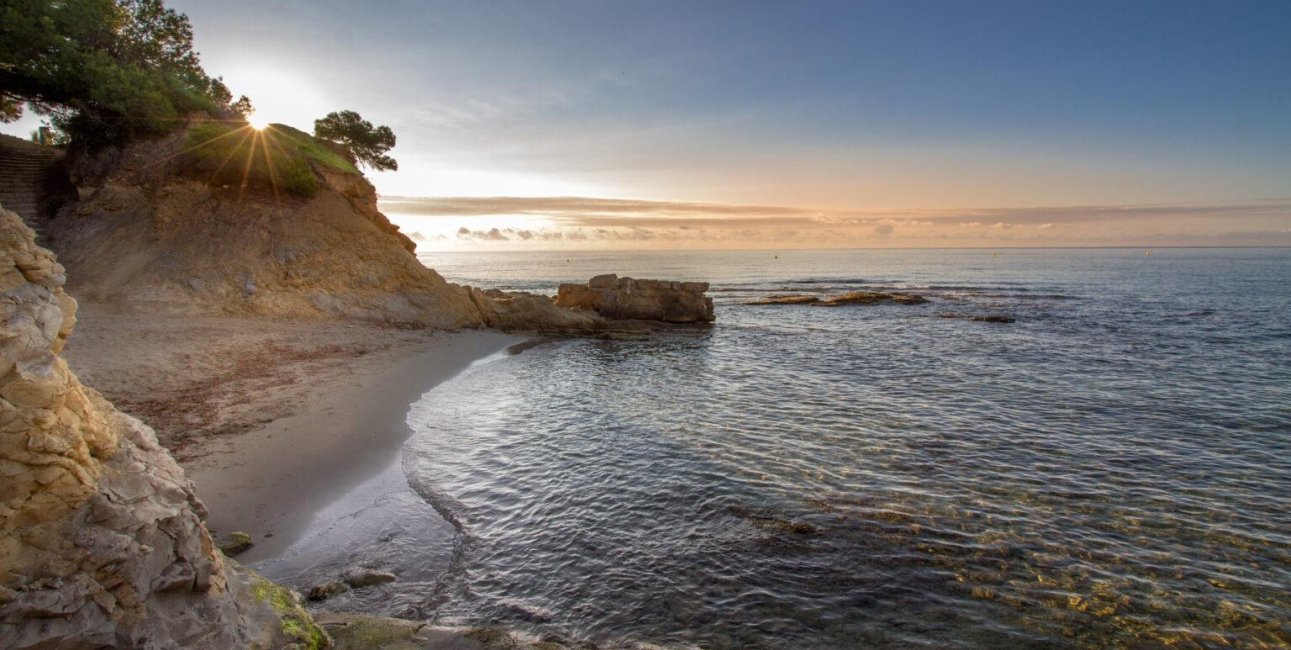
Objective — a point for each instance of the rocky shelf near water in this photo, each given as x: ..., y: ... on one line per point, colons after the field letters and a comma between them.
x: 849, y: 298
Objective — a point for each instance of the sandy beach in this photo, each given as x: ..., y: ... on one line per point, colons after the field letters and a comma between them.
x: 273, y: 419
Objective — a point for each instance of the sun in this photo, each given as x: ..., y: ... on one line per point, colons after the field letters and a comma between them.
x: 257, y: 122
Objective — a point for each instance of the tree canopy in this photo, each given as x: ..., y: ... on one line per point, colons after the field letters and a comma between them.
x: 104, y: 69
x: 368, y: 144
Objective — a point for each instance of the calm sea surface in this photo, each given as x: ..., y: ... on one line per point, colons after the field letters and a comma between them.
x: 1112, y: 468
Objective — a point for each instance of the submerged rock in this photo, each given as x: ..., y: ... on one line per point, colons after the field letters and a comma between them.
x: 360, y: 578
x: 849, y: 298
x: 872, y: 298
x: 630, y: 299
x: 327, y: 590
x: 792, y: 299
x: 987, y: 318
x: 994, y: 318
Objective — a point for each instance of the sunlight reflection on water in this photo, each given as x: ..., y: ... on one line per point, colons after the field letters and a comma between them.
x: 1111, y: 467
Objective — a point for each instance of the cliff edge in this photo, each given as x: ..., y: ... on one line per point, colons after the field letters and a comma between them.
x: 157, y: 228
x: 101, y: 536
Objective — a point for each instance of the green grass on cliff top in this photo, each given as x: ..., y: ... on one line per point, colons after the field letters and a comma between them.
x: 279, y: 158
x: 312, y: 148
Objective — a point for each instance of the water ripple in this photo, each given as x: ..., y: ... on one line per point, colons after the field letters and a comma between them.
x: 1110, y: 470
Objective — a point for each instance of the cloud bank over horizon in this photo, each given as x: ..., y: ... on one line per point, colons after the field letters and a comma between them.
x: 504, y: 223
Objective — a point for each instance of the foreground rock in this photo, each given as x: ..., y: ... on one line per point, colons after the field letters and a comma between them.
x: 849, y: 298
x: 650, y: 300
x: 101, y: 536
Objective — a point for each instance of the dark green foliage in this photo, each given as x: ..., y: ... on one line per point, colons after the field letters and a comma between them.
x: 366, y: 143
x: 241, y: 157
x: 104, y: 70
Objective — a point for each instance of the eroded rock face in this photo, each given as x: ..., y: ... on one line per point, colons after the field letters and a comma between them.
x: 630, y: 299
x: 145, y: 235
x: 101, y: 536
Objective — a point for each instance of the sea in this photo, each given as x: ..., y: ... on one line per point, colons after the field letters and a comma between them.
x: 1104, y: 462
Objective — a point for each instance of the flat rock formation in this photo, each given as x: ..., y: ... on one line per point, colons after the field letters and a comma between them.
x: 849, y: 298
x: 149, y: 234
x: 516, y: 311
x: 102, y: 542
x: 649, y: 300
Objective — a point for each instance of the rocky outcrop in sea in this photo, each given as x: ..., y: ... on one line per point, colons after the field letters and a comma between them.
x: 630, y: 299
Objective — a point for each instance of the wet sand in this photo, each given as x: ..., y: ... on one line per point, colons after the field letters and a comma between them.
x: 274, y: 420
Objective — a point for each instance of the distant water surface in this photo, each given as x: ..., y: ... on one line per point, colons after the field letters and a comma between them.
x: 1112, y: 468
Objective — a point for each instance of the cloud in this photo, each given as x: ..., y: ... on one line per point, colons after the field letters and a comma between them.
x: 600, y: 213
x: 617, y: 223
x: 492, y: 234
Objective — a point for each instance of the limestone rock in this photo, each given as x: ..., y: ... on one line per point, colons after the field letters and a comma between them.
x: 629, y: 299
x: 101, y: 536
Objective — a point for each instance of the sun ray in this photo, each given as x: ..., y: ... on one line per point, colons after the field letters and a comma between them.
x: 197, y: 146
x: 268, y: 161
x: 246, y: 168
x: 232, y: 152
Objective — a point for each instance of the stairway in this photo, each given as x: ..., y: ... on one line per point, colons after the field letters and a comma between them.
x: 27, y: 170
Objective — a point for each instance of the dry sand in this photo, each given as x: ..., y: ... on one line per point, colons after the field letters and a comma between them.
x: 273, y: 419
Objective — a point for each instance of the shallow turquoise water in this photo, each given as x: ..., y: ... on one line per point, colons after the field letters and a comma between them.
x: 1114, y: 467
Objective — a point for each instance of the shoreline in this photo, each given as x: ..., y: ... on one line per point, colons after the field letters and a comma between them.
x: 280, y: 477
x: 272, y: 419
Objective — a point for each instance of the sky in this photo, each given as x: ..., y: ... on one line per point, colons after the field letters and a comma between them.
x: 653, y: 124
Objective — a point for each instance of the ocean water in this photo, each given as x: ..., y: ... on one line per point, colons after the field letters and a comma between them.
x: 1111, y: 469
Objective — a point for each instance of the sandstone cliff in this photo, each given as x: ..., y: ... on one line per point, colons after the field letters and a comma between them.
x: 101, y: 536
x: 149, y: 233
